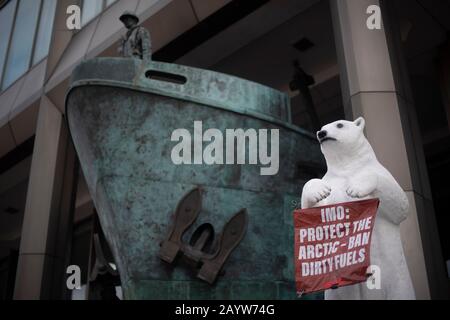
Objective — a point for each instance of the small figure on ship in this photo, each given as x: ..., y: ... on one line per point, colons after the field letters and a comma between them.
x: 137, y: 42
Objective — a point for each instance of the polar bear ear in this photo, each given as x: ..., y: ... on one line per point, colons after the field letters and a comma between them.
x: 360, y: 122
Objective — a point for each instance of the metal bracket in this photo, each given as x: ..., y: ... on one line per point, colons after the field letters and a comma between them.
x: 101, y: 264
x: 209, y: 265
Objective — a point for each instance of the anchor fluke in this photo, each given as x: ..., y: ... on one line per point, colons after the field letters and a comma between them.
x: 185, y: 215
x: 210, y: 264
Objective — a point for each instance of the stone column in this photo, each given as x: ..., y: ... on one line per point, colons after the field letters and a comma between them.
x: 47, y: 223
x: 61, y: 36
x: 374, y: 87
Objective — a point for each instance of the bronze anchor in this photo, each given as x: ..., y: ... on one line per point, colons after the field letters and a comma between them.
x: 209, y: 265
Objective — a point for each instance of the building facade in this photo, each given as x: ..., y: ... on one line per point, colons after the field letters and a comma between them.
x: 397, y: 76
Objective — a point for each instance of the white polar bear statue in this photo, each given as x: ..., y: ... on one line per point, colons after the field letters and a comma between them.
x: 354, y: 173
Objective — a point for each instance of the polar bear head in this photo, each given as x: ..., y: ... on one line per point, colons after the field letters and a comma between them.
x: 342, y: 137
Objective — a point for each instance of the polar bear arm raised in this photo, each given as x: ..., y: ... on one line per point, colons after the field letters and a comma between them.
x: 315, y: 190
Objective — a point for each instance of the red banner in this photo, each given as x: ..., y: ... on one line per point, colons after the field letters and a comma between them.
x: 332, y: 245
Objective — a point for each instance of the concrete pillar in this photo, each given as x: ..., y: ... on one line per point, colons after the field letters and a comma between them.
x: 61, y: 36
x: 374, y: 87
x: 47, y: 223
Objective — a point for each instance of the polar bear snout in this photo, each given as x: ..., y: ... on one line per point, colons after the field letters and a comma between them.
x: 322, y: 134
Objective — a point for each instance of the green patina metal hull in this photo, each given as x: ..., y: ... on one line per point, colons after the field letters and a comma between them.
x: 121, y: 123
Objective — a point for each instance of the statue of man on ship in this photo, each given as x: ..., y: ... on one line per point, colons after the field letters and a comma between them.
x: 136, y: 43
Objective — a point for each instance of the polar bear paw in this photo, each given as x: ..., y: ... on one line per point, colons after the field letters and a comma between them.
x: 357, y: 192
x: 362, y: 188
x: 314, y: 191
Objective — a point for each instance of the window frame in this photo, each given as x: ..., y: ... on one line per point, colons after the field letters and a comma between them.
x: 104, y: 7
x: 30, y: 62
x: 38, y: 24
x: 8, y: 46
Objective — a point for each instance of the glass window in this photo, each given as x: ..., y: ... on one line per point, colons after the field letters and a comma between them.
x: 6, y: 23
x: 27, y: 25
x: 91, y: 8
x: 19, y: 55
x: 45, y: 30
